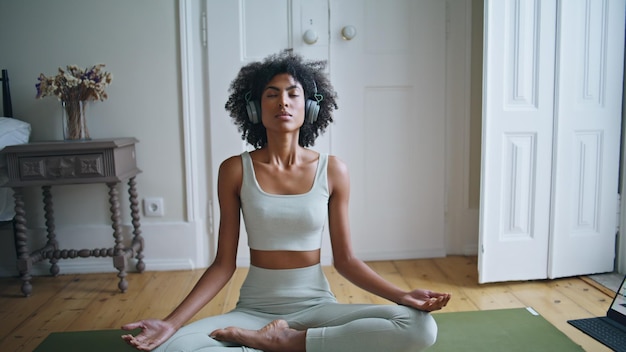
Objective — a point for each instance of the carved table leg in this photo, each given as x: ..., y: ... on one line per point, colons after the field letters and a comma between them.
x: 134, y: 211
x: 50, y: 227
x: 119, y: 257
x: 24, y: 263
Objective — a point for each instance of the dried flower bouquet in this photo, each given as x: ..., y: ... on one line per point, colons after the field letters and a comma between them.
x: 73, y: 87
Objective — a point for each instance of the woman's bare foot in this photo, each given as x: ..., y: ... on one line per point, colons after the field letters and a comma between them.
x: 276, y: 336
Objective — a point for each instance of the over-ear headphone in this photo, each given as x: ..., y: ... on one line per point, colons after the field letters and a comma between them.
x: 311, y: 108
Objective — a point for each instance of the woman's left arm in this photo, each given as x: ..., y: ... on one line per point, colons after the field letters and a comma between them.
x: 355, y: 269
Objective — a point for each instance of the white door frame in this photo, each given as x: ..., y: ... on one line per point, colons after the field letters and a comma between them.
x: 194, y: 114
x: 461, y: 220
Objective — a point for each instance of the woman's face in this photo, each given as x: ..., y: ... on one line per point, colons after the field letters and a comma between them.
x: 283, y: 103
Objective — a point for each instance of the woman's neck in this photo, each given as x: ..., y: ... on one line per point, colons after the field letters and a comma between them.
x: 285, y: 151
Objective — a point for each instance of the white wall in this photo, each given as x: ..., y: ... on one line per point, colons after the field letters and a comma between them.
x: 139, y: 42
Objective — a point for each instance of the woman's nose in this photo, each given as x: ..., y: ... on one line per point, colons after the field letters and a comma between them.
x: 282, y: 102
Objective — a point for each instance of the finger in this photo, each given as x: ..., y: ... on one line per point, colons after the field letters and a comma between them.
x: 131, y: 341
x: 141, y: 345
x: 427, y: 305
x: 437, y: 303
x: 435, y: 306
x: 138, y: 342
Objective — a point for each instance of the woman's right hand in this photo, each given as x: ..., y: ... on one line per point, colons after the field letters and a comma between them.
x: 153, y: 333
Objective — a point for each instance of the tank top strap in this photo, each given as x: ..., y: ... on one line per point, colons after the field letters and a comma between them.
x: 322, y: 172
x: 248, y: 170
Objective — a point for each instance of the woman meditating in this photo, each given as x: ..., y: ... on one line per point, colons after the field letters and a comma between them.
x: 287, y: 193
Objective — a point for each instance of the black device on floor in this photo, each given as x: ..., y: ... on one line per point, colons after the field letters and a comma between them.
x: 610, y: 329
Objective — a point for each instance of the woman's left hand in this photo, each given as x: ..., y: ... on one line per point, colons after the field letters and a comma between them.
x: 425, y: 300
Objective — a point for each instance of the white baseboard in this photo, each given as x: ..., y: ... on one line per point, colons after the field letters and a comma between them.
x: 400, y: 255
x: 168, y: 246
x: 105, y: 265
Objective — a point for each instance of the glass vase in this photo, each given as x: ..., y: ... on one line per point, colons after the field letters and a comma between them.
x: 75, y: 120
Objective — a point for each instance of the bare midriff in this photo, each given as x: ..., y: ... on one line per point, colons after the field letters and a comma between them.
x: 284, y: 259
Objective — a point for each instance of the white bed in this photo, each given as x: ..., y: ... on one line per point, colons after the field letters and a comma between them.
x: 12, y: 131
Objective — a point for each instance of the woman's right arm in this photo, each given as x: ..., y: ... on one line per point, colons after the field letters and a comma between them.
x: 155, y: 332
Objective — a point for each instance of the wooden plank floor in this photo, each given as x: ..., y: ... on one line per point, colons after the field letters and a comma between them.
x: 91, y: 301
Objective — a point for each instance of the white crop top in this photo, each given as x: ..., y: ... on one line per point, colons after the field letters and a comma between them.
x: 284, y: 222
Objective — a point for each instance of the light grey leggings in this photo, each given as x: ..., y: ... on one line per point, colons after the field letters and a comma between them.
x: 302, y: 297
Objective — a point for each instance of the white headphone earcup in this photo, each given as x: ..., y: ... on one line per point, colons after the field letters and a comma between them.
x: 254, y: 112
x: 312, y: 110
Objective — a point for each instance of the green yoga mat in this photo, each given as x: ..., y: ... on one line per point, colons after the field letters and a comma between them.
x: 509, y: 330
x: 86, y: 341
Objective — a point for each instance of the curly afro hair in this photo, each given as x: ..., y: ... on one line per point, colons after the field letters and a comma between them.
x: 252, y: 80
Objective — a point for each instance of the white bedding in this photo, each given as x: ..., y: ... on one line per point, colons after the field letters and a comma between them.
x: 12, y: 132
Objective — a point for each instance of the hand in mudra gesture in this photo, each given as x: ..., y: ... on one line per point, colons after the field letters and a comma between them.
x: 425, y: 300
x: 153, y: 333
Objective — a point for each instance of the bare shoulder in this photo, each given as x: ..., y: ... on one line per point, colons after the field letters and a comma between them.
x: 231, y: 171
x: 338, y: 175
x: 231, y: 164
x: 336, y: 166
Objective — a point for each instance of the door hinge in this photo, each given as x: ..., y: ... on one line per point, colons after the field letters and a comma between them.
x: 618, y: 218
x: 203, y: 29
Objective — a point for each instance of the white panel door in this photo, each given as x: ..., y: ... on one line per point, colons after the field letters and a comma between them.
x: 390, y: 126
x: 587, y: 140
x: 518, y: 73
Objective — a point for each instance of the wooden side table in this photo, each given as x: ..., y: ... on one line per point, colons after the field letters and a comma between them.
x: 48, y: 164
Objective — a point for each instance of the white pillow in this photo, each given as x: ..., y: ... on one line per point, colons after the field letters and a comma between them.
x: 12, y: 132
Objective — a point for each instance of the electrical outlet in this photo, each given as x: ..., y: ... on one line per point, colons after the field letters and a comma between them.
x: 153, y: 207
